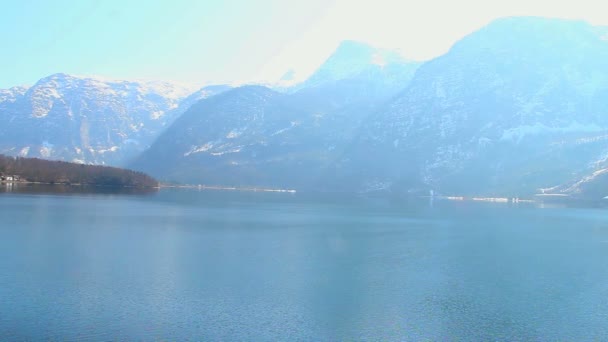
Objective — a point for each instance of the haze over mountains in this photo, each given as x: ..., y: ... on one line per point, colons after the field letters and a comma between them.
x: 519, y: 105
x: 255, y: 136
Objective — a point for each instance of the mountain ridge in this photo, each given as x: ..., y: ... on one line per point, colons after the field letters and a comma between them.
x: 514, y: 107
x: 473, y: 116
x: 88, y: 119
x: 301, y: 130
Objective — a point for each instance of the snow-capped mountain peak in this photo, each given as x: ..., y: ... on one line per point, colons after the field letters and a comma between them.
x: 90, y: 119
x: 352, y: 58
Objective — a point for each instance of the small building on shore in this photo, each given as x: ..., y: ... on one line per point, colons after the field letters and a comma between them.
x: 10, y: 178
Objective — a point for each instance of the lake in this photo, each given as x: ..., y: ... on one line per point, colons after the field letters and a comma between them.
x: 212, y: 265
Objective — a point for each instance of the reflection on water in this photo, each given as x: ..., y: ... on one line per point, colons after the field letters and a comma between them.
x: 189, y: 265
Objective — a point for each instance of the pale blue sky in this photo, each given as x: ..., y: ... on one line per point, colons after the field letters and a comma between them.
x: 209, y: 41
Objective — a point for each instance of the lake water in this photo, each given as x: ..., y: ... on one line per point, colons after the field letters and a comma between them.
x: 189, y: 265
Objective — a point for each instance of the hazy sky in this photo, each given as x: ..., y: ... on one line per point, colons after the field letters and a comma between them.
x: 217, y: 41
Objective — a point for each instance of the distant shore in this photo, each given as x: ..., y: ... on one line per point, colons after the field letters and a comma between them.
x: 14, y: 185
x: 22, y: 182
x: 226, y: 188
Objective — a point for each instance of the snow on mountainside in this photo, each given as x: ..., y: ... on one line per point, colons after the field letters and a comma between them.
x: 383, y: 70
x: 351, y: 59
x: 258, y: 137
x: 519, y: 105
x: 156, y: 98
x: 12, y: 94
x: 88, y: 119
x: 515, y: 106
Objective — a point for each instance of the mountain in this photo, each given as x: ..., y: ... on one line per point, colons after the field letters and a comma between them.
x: 8, y: 96
x: 351, y: 59
x: 251, y: 136
x: 254, y: 136
x: 518, y: 105
x: 220, y: 140
x: 89, y: 120
x: 201, y: 94
x: 383, y: 72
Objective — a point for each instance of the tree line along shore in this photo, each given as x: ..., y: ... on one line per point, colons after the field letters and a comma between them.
x: 34, y: 170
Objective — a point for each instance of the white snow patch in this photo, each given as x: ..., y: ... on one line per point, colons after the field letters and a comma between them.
x: 11, y: 95
x: 586, y: 179
x: 235, y: 133
x: 24, y: 151
x: 292, y: 125
x: 157, y: 114
x: 51, y: 92
x: 198, y: 149
x: 46, y: 150
x: 601, y: 160
x: 518, y: 133
x: 591, y: 139
x: 111, y: 149
x: 236, y: 150
x: 136, y: 127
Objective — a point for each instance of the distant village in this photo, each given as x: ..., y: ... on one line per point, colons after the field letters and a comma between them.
x: 9, y: 178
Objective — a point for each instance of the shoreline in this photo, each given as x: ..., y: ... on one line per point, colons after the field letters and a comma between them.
x: 227, y: 188
x: 79, y: 185
x: 534, y: 199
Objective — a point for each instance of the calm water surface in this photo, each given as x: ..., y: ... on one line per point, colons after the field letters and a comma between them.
x: 189, y: 265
